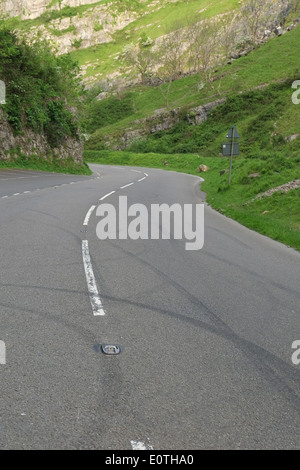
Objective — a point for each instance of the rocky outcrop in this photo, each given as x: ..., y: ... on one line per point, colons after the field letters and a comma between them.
x: 95, y: 26
x: 202, y: 168
x: 28, y: 9
x: 200, y: 113
x: 284, y: 188
x: 29, y: 143
x: 295, y: 184
x: 162, y: 120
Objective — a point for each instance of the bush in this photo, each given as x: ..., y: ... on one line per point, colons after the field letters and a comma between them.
x: 40, y: 87
x: 96, y: 114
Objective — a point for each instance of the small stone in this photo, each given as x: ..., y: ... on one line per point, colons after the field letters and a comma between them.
x: 292, y: 137
x: 202, y: 168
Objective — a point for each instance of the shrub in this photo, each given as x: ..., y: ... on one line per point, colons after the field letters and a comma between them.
x: 40, y: 87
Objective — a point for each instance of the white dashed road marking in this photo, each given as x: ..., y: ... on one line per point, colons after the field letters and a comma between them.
x: 96, y: 303
x: 88, y: 215
x: 126, y: 185
x: 106, y: 195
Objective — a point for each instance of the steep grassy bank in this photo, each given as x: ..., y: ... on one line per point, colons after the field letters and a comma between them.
x: 153, y: 20
x: 276, y: 60
x: 50, y: 165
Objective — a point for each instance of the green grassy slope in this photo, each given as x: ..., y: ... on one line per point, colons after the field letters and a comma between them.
x: 153, y: 19
x: 276, y: 60
x: 154, y: 22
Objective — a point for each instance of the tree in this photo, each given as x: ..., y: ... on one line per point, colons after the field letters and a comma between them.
x: 256, y: 16
x: 41, y: 88
x: 171, y: 56
x: 227, y: 41
x: 140, y: 56
x: 204, y: 37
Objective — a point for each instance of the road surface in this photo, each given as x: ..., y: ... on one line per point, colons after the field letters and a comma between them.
x: 206, y: 336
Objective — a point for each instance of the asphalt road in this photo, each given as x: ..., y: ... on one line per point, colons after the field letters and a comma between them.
x: 206, y: 336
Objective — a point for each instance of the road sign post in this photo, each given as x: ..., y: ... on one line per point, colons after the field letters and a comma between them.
x: 2, y: 92
x: 231, y: 148
x: 231, y: 156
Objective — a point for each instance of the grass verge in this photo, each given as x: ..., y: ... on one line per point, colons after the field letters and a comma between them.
x: 50, y: 165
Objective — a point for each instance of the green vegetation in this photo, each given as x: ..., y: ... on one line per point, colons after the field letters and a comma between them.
x: 41, y: 92
x: 254, y: 112
x: 257, y: 69
x: 61, y: 32
x: 40, y: 88
x: 50, y: 15
x: 69, y: 12
x: 96, y: 114
x: 98, y: 26
x: 265, y: 118
x: 152, y: 21
x: 50, y: 164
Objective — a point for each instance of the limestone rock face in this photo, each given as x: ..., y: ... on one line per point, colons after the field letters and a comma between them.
x: 28, y: 9
x: 93, y: 26
x: 30, y: 143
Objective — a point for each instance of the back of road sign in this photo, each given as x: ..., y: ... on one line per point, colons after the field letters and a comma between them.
x: 227, y: 149
x: 233, y: 132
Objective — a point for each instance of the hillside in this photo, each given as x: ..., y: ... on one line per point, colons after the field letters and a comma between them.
x: 127, y: 120
x: 98, y: 33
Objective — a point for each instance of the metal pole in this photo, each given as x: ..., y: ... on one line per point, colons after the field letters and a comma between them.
x: 231, y: 155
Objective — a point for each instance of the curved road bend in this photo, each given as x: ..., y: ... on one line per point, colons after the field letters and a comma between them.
x: 206, y: 336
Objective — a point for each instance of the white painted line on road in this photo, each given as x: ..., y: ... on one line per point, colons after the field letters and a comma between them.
x: 96, y: 303
x: 16, y: 194
x: 27, y: 192
x: 142, y: 179
x: 136, y: 171
x: 126, y: 185
x: 106, y: 195
x: 146, y: 174
x: 3, y: 197
x: 139, y: 445
x: 88, y: 215
x: 17, y: 178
